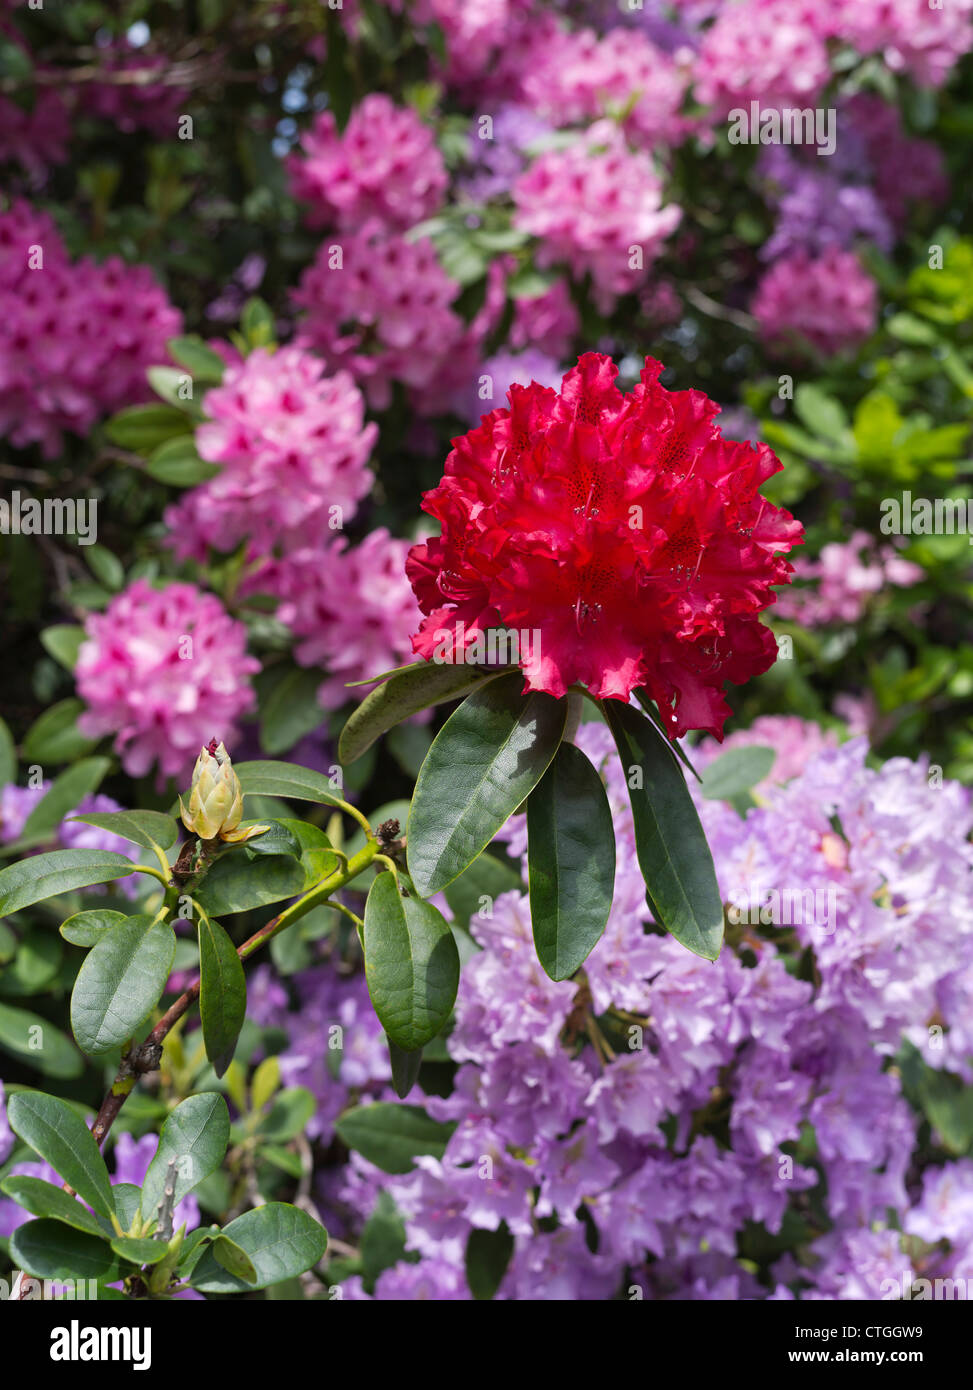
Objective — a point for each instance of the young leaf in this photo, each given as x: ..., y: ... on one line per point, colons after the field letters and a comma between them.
x: 485, y: 760
x: 120, y: 982
x: 672, y: 851
x: 195, y: 1135
x: 571, y: 861
x: 61, y: 1137
x: 411, y: 964
x: 401, y: 696
x: 234, y: 1259
x: 391, y: 1136
x: 281, y: 1241
x: 139, y: 1250
x: 42, y: 1198
x: 150, y: 829
x: 222, y: 993
x: 44, y: 875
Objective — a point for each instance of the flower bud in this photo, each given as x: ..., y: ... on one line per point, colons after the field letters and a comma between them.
x: 215, y: 797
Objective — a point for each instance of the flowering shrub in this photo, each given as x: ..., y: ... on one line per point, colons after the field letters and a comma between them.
x: 482, y: 812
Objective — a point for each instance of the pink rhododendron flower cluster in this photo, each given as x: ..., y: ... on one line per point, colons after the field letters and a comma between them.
x: 581, y: 76
x: 135, y: 105
x: 383, y: 165
x: 35, y: 136
x: 624, y: 528
x: 597, y: 207
x: 78, y: 336
x: 826, y: 302
x: 351, y: 610
x: 759, y: 50
x: 292, y: 447
x: 160, y: 670
x: 843, y: 578
x: 548, y: 321
x: 905, y: 170
x: 916, y: 37
x: 385, y: 314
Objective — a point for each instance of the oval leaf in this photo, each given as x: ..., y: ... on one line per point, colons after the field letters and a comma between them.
x: 271, y: 778
x: 120, y: 983
x: 234, y: 1259
x: 282, y: 1241
x: 150, y: 829
x: 673, y: 854
x: 50, y: 1250
x: 44, y: 875
x: 571, y: 861
x: 85, y: 928
x: 139, y: 1250
x: 403, y: 695
x: 59, y: 1135
x: 195, y: 1135
x: 485, y: 760
x: 392, y: 1136
x: 38, y: 1043
x: 222, y: 993
x: 411, y: 964
x: 736, y: 771
x: 42, y: 1198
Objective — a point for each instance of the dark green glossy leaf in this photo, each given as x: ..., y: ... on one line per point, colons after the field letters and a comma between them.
x: 403, y: 695
x: 281, y: 1240
x: 139, y: 1250
x: 222, y: 993
x: 486, y: 878
x: 391, y: 1136
x: 120, y: 983
x: 405, y: 1068
x: 411, y: 964
x: 195, y: 1135
x: 672, y: 851
x: 50, y: 1250
x: 61, y: 1137
x: 150, y: 829
x: 487, y: 1257
x: 270, y: 778
x: 42, y: 1198
x: 85, y: 928
x: 64, y: 794
x: 486, y: 759
x: 45, y: 875
x: 571, y: 861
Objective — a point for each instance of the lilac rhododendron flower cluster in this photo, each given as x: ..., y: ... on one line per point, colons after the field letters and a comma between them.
x: 840, y: 582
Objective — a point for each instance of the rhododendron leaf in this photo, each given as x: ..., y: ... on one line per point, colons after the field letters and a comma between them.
x: 401, y: 696
x: 238, y: 881
x: 405, y: 1068
x: 487, y: 877
x: 42, y: 1198
x: 393, y: 1136
x: 50, y: 1250
x: 54, y: 737
x: 44, y: 875
x: 484, y: 762
x: 177, y: 463
x: 139, y: 1250
x: 143, y: 428
x: 22, y: 1031
x: 222, y: 993
x: 195, y: 1134
x: 205, y: 365
x: 281, y: 1240
x: 384, y: 675
x: 61, y: 1137
x: 150, y: 829
x: 652, y: 711
x: 234, y: 1259
x: 66, y: 791
x: 487, y: 1257
x: 271, y: 778
x: 85, y: 928
x: 736, y: 771
x: 62, y: 641
x: 571, y: 861
x: 120, y: 982
x: 672, y: 851
x: 411, y: 964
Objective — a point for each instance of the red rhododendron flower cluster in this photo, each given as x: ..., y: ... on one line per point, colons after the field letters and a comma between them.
x: 623, y: 529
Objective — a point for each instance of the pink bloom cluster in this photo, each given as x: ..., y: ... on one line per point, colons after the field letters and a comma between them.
x: 548, y: 322
x: 760, y: 50
x: 135, y: 105
x: 380, y: 307
x: 905, y: 170
x: 34, y: 137
x: 385, y: 164
x: 490, y: 44
x: 580, y: 76
x: 77, y: 336
x: 597, y: 207
x: 912, y: 36
x: 828, y: 302
x: 292, y: 446
x: 842, y: 579
x: 164, y: 671
x: 351, y: 609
